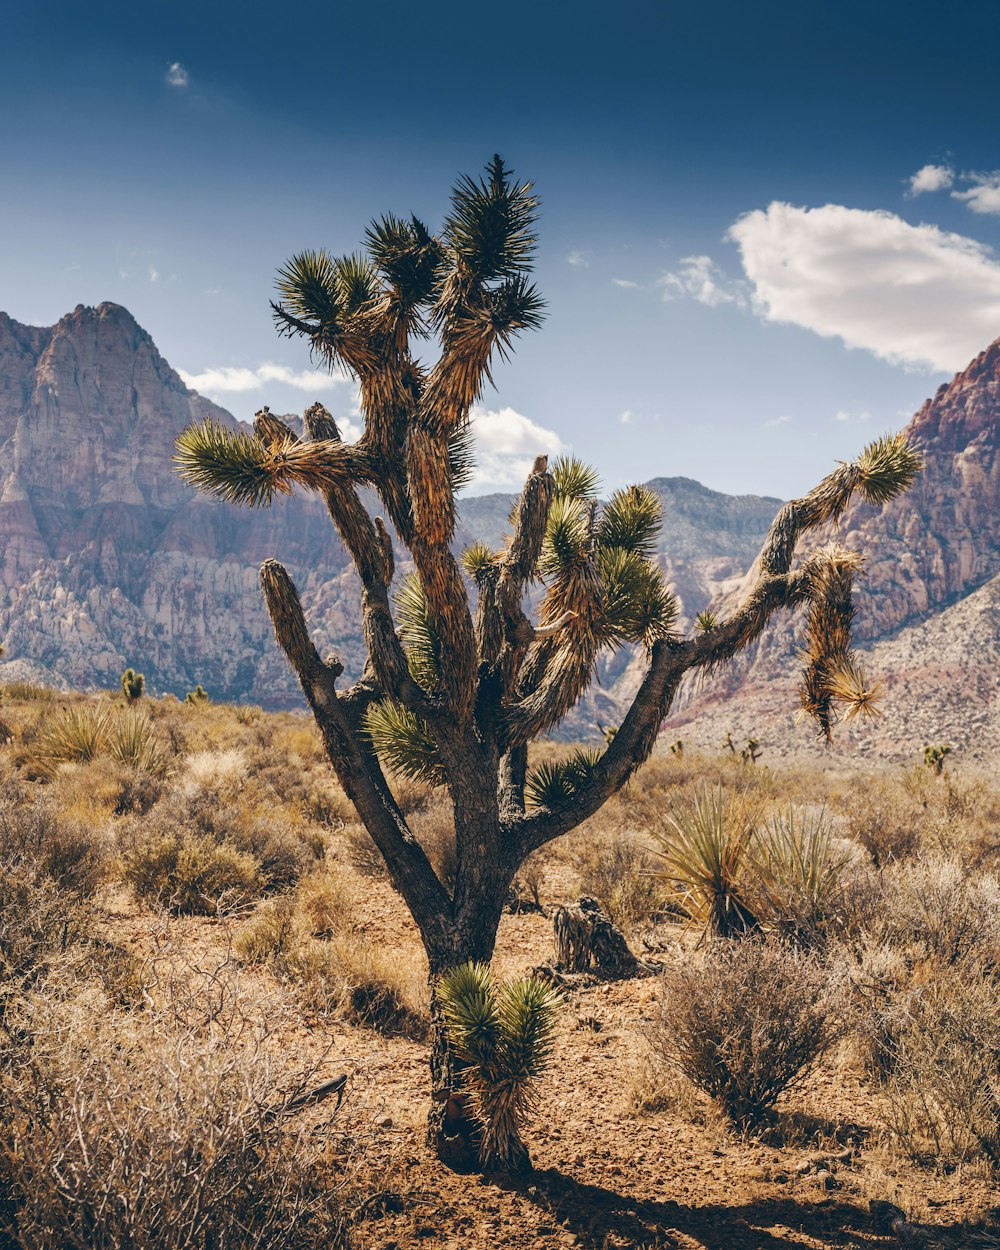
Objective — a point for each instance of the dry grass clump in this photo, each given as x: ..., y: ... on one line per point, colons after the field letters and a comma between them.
x: 155, y: 1131
x: 190, y: 875
x: 621, y: 875
x: 308, y: 941
x: 747, y: 1020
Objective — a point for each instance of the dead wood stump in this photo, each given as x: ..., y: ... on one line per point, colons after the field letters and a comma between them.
x: 587, y: 939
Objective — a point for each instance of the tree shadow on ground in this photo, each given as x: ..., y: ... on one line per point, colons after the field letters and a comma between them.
x: 603, y: 1219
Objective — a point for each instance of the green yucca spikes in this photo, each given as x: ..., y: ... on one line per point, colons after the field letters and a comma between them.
x: 574, y: 479
x: 705, y: 852
x: 504, y: 1034
x: 423, y: 647
x: 197, y: 696
x: 403, y: 743
x: 887, y: 467
x: 550, y: 784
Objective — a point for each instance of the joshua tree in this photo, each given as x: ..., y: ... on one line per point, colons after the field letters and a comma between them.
x: 133, y: 685
x: 454, y: 693
x: 934, y: 757
x: 197, y: 696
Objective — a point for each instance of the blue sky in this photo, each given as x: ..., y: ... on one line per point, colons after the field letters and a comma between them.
x: 744, y: 280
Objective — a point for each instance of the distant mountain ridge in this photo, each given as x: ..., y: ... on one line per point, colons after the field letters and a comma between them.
x: 109, y: 559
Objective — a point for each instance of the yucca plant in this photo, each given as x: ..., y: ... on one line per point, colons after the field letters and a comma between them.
x: 197, y: 696
x: 798, y: 872
x: 503, y: 1035
x: 454, y: 691
x: 705, y: 857
x: 74, y: 735
x: 132, y: 742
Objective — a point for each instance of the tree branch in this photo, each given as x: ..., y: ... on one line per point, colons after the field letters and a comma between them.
x: 353, y: 760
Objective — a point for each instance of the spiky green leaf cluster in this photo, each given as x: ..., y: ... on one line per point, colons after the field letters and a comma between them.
x: 491, y: 225
x: 552, y: 783
x: 574, y: 479
x: 407, y: 256
x: 402, y: 742
x: 504, y: 1034
x: 630, y: 520
x: 226, y: 463
x: 309, y: 286
x: 420, y: 640
x: 887, y: 467
x: 706, y: 621
x: 705, y: 850
x: 461, y: 458
x: 477, y: 560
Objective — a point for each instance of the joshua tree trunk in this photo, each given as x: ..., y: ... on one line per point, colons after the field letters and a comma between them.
x: 455, y: 697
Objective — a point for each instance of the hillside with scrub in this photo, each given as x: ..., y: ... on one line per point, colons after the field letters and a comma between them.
x: 198, y: 933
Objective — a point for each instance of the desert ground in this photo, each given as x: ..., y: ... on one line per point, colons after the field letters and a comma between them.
x: 195, y: 930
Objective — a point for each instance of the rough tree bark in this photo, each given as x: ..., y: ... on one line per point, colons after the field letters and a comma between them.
x: 456, y: 696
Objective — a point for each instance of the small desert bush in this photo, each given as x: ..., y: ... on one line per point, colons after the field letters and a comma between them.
x: 190, y: 875
x: 368, y: 985
x: 621, y: 876
x: 937, y: 914
x: 942, y: 1092
x: 276, y: 929
x: 35, y: 834
x: 746, y: 1021
x: 153, y: 1131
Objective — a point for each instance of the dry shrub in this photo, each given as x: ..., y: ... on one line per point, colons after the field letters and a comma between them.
x: 943, y: 1089
x: 747, y: 1020
x: 621, y: 877
x: 325, y: 901
x: 368, y: 985
x: 153, y: 1132
x: 885, y: 820
x: 32, y: 831
x: 190, y: 875
x: 936, y: 913
x: 276, y: 929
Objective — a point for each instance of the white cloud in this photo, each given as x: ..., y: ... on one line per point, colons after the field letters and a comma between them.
x: 227, y: 379
x: 853, y: 417
x: 931, y: 178
x: 177, y: 75
x: 153, y: 274
x: 626, y: 417
x: 912, y: 295
x: 774, y: 422
x: 625, y: 284
x: 506, y: 444
x: 578, y: 260
x: 701, y: 278
x: 984, y: 194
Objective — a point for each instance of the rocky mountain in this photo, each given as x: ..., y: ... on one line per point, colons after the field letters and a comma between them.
x: 108, y: 559
x: 927, y: 616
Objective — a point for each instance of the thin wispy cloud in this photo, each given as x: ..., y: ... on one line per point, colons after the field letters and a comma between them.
x: 912, y: 295
x: 853, y: 418
x: 177, y: 75
x: 626, y: 417
x: 931, y: 178
x: 229, y: 380
x: 774, y: 422
x: 577, y: 260
x: 625, y: 284
x: 700, y: 278
x: 506, y: 444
